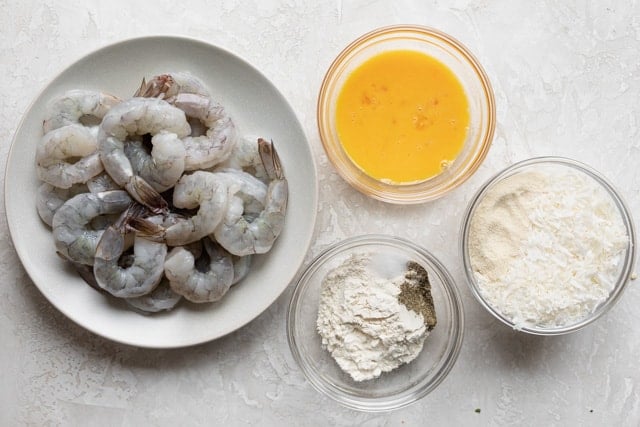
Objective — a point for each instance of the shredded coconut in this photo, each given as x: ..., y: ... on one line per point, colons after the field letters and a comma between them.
x: 361, y: 322
x: 546, y: 247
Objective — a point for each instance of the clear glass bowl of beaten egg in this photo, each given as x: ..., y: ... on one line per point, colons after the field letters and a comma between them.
x: 406, y: 114
x: 327, y: 285
x: 548, y: 245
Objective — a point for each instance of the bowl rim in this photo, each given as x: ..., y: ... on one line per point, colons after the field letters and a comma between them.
x: 422, y: 195
x: 454, y: 340
x: 622, y: 207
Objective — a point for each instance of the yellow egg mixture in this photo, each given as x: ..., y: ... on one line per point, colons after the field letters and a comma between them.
x: 402, y: 116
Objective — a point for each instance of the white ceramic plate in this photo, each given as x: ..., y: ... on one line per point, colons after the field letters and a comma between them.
x: 258, y: 109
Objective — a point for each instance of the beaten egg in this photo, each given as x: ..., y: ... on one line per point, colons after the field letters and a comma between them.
x: 402, y: 116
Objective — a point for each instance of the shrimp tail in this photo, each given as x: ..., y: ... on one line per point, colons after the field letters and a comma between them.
x: 111, y: 244
x: 142, y: 89
x: 155, y: 88
x: 144, y: 193
x: 147, y: 229
x: 270, y: 159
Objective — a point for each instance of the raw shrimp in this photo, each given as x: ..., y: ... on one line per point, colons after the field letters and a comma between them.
x: 146, y: 266
x: 241, y: 267
x: 50, y: 198
x: 167, y: 86
x: 163, y: 166
x: 245, y: 156
x: 243, y: 233
x: 195, y: 285
x: 205, y: 151
x: 102, y: 182
x: 62, y: 145
x: 138, y: 116
x: 73, y: 236
x: 203, y: 190
x: 250, y: 189
x: 79, y: 107
x: 162, y: 298
x: 102, y: 222
x: 188, y: 93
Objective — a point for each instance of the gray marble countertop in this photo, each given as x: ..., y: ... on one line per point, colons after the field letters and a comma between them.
x: 566, y: 77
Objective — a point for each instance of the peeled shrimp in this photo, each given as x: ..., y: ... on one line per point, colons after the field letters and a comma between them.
x: 196, y: 285
x: 56, y: 151
x: 203, y: 190
x: 102, y: 182
x: 50, y: 198
x: 244, y: 233
x: 241, y: 267
x: 139, y: 116
x: 73, y: 235
x: 189, y: 94
x: 247, y: 194
x: 79, y: 107
x: 146, y: 266
x: 229, y: 204
x: 162, y: 298
x: 246, y: 157
x: 205, y: 151
x: 163, y: 166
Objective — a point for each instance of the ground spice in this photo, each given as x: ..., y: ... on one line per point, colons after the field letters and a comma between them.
x: 415, y: 293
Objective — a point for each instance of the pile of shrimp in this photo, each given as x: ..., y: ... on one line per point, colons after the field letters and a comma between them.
x: 156, y: 198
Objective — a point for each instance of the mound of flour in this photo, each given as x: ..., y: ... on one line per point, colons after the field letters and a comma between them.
x: 362, y: 323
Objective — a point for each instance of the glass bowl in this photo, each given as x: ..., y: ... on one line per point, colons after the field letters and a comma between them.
x: 474, y: 82
x: 552, y: 165
x: 403, y: 385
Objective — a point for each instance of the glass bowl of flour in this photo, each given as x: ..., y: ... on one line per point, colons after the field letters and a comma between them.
x: 548, y: 245
x: 375, y: 322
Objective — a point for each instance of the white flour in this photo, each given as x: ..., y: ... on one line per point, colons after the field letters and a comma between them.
x: 361, y: 322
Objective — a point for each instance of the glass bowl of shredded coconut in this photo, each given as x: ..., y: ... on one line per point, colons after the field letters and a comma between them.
x: 375, y: 322
x: 548, y: 245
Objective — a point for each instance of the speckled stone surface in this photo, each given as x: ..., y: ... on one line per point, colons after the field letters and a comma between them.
x: 566, y: 77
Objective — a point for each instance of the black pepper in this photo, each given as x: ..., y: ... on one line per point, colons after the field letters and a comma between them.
x: 415, y: 293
